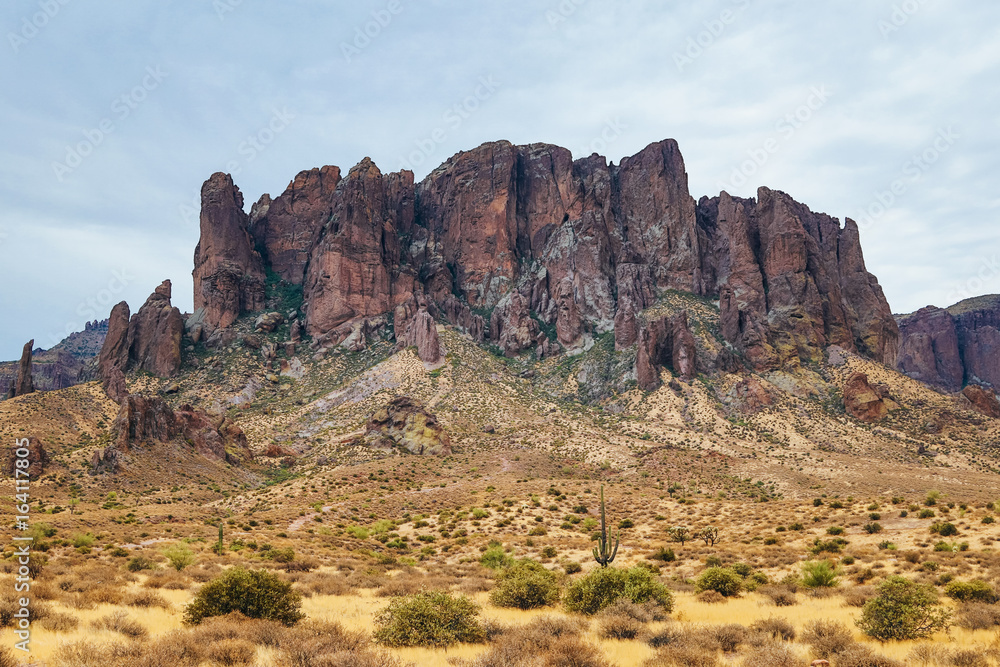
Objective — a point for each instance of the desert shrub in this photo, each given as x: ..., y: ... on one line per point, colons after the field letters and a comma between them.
x: 572, y: 567
x: 771, y: 655
x: 432, y: 618
x: 616, y: 625
x: 819, y: 574
x: 971, y: 591
x: 179, y: 556
x: 730, y: 636
x: 603, y: 586
x: 139, y: 563
x: 857, y: 596
x: 873, y: 527
x: 711, y: 597
x: 253, y: 593
x: 663, y: 554
x: 525, y: 584
x: 549, y: 641
x: 58, y: 622
x: 120, y: 622
x: 495, y: 557
x: 781, y: 596
x: 944, y: 529
x: 232, y: 652
x: 724, y: 581
x: 827, y: 638
x: 146, y: 599
x: 682, y: 656
x: 858, y: 655
x: 777, y: 628
x: 902, y: 610
x: 325, y: 644
x: 978, y: 616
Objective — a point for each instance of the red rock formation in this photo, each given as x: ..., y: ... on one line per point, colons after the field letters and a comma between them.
x: 38, y: 458
x: 418, y: 330
x: 512, y: 326
x: 665, y: 343
x: 983, y: 400
x: 142, y: 419
x: 155, y: 333
x: 114, y: 354
x: 950, y: 348
x: 287, y: 228
x: 24, y: 384
x: 929, y: 349
x: 228, y: 271
x: 869, y: 403
x: 354, y: 268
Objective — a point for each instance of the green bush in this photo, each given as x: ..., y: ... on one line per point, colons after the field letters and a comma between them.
x: 603, y: 586
x: 429, y: 618
x: 873, y: 528
x: 495, y: 557
x: 903, y: 610
x: 525, y: 584
x: 179, y: 556
x: 138, y: 563
x: 819, y: 574
x: 944, y: 529
x: 722, y: 580
x: 971, y: 591
x: 253, y: 593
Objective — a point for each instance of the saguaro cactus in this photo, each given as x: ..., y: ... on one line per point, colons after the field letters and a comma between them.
x: 604, y: 552
x: 219, y: 548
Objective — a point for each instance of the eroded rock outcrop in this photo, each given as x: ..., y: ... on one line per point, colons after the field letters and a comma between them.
x: 405, y: 423
x: 228, y: 271
x: 983, y: 400
x: 38, y: 459
x: 24, y: 384
x: 953, y: 347
x: 150, y: 340
x: 415, y: 327
x: 665, y: 343
x: 145, y: 419
x: 867, y: 402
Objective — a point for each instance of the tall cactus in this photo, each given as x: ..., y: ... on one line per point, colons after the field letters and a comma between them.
x: 219, y: 547
x: 604, y: 553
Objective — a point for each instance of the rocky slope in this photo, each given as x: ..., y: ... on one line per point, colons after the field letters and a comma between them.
x: 539, y: 253
x: 954, y: 347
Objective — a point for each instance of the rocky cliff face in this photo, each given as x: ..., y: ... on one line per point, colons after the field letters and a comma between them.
x: 954, y: 347
x: 150, y: 340
x: 24, y: 384
x: 538, y: 252
x: 228, y: 271
x: 65, y: 364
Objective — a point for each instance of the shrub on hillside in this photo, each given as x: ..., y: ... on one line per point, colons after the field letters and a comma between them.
x: 179, y: 556
x: 495, y: 557
x: 971, y: 591
x: 525, y: 584
x: 253, y: 593
x: 430, y: 618
x: 819, y: 574
x: 903, y: 610
x: 722, y: 580
x: 602, y: 587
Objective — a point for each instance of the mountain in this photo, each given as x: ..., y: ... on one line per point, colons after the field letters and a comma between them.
x: 64, y: 365
x: 953, y: 347
x: 536, y: 252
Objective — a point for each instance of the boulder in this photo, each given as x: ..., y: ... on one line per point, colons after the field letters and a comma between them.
x: 869, y: 403
x: 406, y: 424
x: 983, y: 400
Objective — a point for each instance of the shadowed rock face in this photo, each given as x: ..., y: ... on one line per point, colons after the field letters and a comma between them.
x: 38, y: 458
x: 665, y: 343
x: 404, y: 423
x: 536, y: 239
x: 150, y: 340
x: 142, y: 419
x: 24, y: 384
x: 954, y: 347
x: 228, y: 272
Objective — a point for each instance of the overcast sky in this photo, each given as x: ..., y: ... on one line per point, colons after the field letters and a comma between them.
x: 113, y: 114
